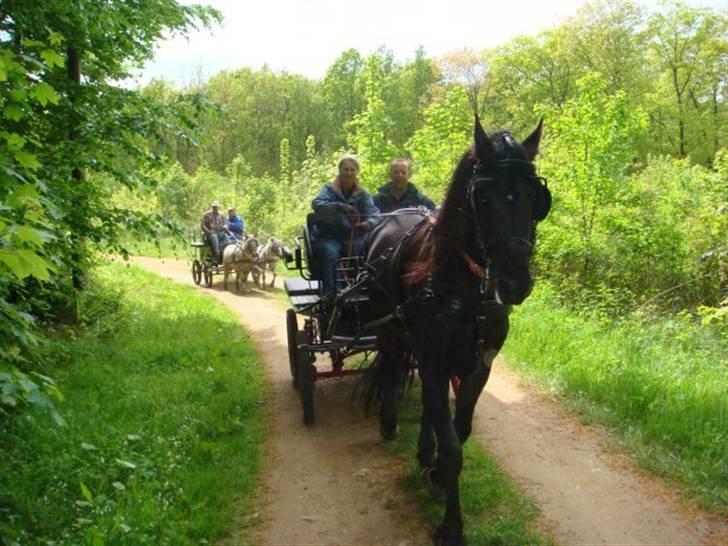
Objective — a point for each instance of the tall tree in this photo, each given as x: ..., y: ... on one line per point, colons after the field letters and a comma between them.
x: 369, y: 130
x: 607, y: 36
x: 470, y: 69
x: 70, y: 137
x: 589, y: 149
x: 342, y: 93
x: 690, y: 49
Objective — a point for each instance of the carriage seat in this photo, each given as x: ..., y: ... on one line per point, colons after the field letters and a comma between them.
x: 302, y: 292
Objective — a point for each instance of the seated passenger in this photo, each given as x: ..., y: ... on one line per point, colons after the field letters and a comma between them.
x: 213, y: 229
x: 234, y: 226
x: 341, y: 207
x: 399, y: 192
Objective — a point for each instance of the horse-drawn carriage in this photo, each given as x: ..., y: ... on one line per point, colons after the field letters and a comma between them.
x: 333, y: 324
x: 204, y: 264
x: 243, y: 256
x: 434, y: 290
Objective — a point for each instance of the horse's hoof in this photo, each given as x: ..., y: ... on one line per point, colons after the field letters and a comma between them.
x: 442, y: 538
x: 437, y: 491
x: 389, y: 433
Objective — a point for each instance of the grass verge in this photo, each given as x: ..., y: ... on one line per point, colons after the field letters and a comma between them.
x: 164, y: 401
x: 659, y: 384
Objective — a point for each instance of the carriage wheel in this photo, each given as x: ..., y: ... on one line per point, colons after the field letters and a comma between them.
x: 207, y: 270
x: 196, y: 271
x: 292, y: 328
x: 306, y: 373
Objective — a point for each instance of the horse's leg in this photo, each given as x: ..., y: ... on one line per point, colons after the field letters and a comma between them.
x: 435, y: 392
x: 426, y: 444
x: 469, y: 392
x: 225, y: 276
x: 273, y: 280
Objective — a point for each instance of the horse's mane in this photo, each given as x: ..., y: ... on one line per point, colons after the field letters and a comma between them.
x: 448, y: 234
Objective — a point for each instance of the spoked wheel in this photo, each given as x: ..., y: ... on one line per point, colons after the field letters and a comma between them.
x: 292, y: 329
x: 207, y: 270
x: 306, y: 373
x: 196, y: 271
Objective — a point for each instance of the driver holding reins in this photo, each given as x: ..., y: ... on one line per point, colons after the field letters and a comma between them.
x: 344, y: 213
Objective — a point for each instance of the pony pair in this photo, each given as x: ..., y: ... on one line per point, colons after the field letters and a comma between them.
x: 247, y: 257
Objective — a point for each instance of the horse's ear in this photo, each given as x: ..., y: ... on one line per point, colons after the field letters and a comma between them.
x: 483, y: 146
x: 530, y: 145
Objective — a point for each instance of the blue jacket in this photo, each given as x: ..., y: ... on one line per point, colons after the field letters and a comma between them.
x: 386, y: 202
x: 235, y: 225
x: 332, y: 221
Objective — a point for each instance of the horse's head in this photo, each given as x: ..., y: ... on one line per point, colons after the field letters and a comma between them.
x: 505, y: 199
x: 279, y: 249
x: 282, y: 251
x: 250, y: 247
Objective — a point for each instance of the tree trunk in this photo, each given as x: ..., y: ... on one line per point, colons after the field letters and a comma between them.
x: 78, y: 272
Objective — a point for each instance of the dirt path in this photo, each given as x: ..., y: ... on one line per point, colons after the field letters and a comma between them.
x: 334, y: 483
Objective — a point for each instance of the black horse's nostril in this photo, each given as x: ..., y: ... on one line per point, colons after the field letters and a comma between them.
x: 513, y: 291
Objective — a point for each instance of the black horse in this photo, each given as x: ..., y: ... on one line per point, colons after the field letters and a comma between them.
x: 442, y: 287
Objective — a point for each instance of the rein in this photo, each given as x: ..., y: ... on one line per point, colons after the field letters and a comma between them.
x: 473, y: 266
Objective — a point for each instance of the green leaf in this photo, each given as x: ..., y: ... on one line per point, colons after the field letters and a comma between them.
x: 19, y: 94
x: 44, y: 93
x: 52, y: 58
x: 14, y: 140
x: 27, y: 42
x: 29, y: 235
x: 13, y: 111
x: 86, y: 492
x: 27, y: 160
x: 26, y: 263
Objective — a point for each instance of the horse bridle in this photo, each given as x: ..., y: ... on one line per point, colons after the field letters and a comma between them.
x: 485, y: 247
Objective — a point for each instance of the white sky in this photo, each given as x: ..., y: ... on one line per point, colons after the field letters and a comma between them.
x: 306, y: 36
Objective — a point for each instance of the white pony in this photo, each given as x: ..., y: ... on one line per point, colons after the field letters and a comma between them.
x: 268, y: 258
x: 241, y: 257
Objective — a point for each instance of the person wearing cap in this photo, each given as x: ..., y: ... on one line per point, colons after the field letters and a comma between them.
x: 234, y: 225
x: 213, y: 228
x: 399, y: 192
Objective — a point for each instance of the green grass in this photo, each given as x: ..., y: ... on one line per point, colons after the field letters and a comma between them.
x: 164, y: 400
x: 660, y: 385
x: 494, y: 511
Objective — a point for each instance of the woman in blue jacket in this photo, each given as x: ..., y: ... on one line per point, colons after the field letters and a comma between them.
x: 341, y: 206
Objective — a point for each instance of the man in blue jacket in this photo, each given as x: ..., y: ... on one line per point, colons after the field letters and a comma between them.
x: 399, y: 192
x: 344, y: 213
x: 234, y: 225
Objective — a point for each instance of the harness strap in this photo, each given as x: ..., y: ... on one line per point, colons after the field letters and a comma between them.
x: 473, y: 266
